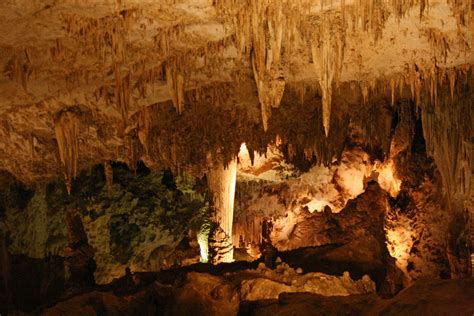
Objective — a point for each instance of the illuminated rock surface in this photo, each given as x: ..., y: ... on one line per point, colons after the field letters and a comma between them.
x: 334, y: 134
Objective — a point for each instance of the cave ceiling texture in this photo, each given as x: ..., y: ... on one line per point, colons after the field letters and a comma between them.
x: 298, y: 114
x: 96, y: 76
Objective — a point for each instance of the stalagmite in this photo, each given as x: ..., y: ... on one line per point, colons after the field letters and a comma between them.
x: 221, y: 183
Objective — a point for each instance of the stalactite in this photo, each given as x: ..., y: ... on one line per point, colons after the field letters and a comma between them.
x: 327, y: 51
x: 392, y: 90
x: 66, y: 128
x: 132, y: 146
x: 401, y: 7
x: 450, y: 150
x: 144, y: 127
x: 267, y: 25
x: 452, y: 82
x: 166, y: 36
x: 175, y: 82
x: 32, y: 141
x: 461, y: 10
x: 439, y: 44
x: 19, y: 69
x: 365, y: 92
x: 122, y: 93
x: 109, y: 176
x: 368, y: 15
x: 221, y: 183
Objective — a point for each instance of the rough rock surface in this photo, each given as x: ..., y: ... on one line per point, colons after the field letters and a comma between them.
x: 285, y: 279
x: 107, y: 65
x: 335, y: 205
x: 136, y: 223
x: 207, y: 295
x: 423, y: 298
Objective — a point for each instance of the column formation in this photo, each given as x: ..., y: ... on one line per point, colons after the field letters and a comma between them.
x: 221, y: 181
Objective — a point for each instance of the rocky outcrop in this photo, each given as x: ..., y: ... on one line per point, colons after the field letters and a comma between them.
x: 203, y: 294
x: 269, y: 284
x: 79, y: 255
x: 424, y: 297
x: 137, y: 224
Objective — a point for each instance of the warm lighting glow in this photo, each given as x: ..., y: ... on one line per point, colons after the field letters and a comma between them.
x: 283, y: 227
x: 221, y: 181
x: 399, y: 244
x: 387, y: 177
x: 202, y: 238
x: 316, y: 205
x: 243, y: 152
x: 262, y: 166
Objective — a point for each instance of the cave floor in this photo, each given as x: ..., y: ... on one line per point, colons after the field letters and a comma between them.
x: 205, y: 290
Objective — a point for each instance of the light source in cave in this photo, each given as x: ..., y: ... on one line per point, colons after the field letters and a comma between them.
x: 334, y: 185
x: 244, y: 155
x: 387, y: 178
x: 316, y: 205
x: 203, y: 241
x: 365, y: 73
x: 399, y: 243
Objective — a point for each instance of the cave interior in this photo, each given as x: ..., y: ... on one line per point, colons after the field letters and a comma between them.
x: 236, y: 157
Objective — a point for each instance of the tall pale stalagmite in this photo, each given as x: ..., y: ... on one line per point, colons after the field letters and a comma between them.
x: 221, y: 181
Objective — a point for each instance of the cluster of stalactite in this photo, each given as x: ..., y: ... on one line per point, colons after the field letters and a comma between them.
x: 107, y: 40
x: 461, y: 10
x: 267, y: 24
x: 248, y: 233
x: 66, y: 128
x: 162, y: 138
x: 172, y: 144
x: 327, y: 50
x: 19, y: 68
x: 447, y: 131
x: 175, y: 81
x: 265, y: 33
x: 165, y: 138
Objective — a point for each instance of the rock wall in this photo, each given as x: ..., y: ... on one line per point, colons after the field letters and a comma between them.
x: 334, y: 204
x: 145, y: 221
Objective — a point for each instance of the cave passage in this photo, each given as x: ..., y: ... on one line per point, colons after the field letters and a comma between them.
x: 236, y: 157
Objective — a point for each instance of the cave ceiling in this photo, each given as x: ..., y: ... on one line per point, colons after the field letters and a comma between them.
x: 83, y: 82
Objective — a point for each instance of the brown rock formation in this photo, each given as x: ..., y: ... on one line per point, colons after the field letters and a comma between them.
x: 79, y: 254
x: 328, y: 97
